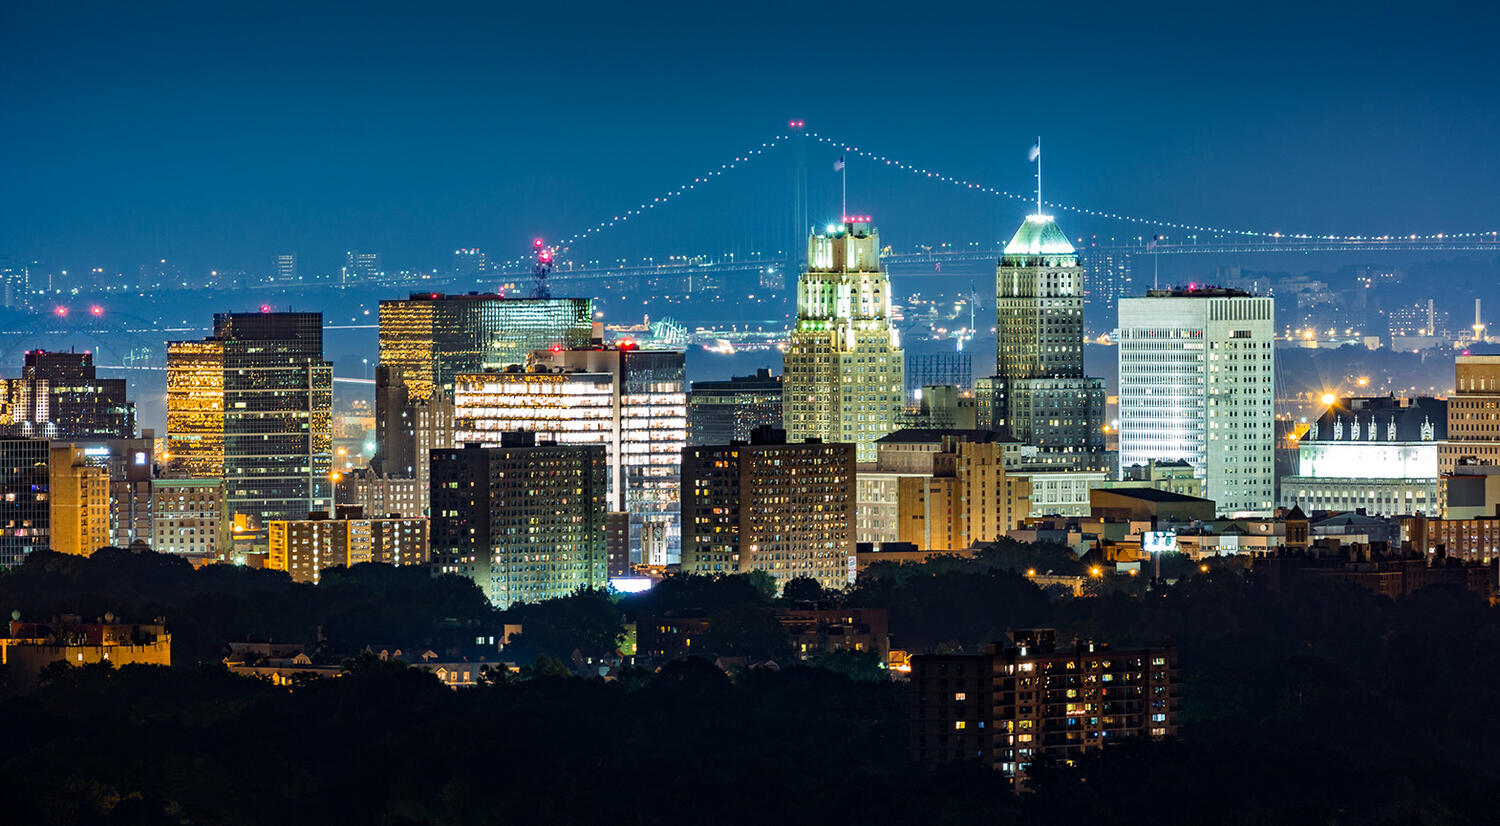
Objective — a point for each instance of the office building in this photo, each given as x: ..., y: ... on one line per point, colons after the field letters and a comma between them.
x: 430, y: 338
x: 1039, y: 393
x: 629, y: 400
x: 940, y: 407
x: 1470, y: 491
x: 407, y: 430
x: 1198, y: 383
x: 252, y: 405
x: 769, y: 505
x: 844, y: 368
x: 25, y: 510
x: 1110, y: 278
x: 59, y: 396
x: 1473, y: 414
x: 78, y: 496
x: 1062, y: 492
x: 304, y: 547
x: 1378, y: 455
x: 188, y: 517
x: 968, y: 499
x: 720, y: 412
x: 1030, y: 699
x: 524, y: 520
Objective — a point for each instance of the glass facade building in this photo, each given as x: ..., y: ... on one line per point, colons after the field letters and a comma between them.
x: 272, y: 414
x: 59, y: 396
x: 25, y: 493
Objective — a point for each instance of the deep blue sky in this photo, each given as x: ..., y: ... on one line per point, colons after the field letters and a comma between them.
x: 218, y: 136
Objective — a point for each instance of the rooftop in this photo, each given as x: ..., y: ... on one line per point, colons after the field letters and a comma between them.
x: 1039, y: 235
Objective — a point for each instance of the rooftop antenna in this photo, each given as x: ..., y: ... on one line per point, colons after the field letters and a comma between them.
x: 540, y: 269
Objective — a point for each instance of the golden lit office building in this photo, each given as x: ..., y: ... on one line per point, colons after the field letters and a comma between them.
x: 1473, y: 414
x: 844, y: 367
x: 252, y: 405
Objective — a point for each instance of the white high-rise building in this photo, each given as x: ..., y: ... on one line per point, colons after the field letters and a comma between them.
x: 844, y: 369
x: 1198, y: 383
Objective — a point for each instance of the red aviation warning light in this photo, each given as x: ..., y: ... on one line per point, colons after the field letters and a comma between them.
x: 62, y: 312
x: 96, y: 310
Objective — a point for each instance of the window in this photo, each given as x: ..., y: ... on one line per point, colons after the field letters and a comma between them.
x: 960, y: 696
x: 959, y: 725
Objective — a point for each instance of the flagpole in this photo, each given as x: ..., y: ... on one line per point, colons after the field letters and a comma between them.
x: 1039, y: 175
x: 844, y: 173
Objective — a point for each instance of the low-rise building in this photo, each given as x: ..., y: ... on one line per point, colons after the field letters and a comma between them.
x: 188, y: 516
x: 30, y: 647
x: 304, y: 547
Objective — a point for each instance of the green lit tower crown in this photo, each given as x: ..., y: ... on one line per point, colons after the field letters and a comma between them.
x: 1040, y: 392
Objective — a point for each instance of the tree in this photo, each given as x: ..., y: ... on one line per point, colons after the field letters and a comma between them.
x: 803, y: 589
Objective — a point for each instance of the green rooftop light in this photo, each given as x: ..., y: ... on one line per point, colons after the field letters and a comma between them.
x: 1039, y: 235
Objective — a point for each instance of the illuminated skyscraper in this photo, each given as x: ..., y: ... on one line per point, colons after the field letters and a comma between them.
x: 360, y: 267
x: 430, y: 338
x: 630, y: 400
x: 844, y: 368
x: 79, y: 501
x: 286, y: 267
x: 1473, y: 414
x: 252, y: 404
x: 523, y: 519
x: 1040, y: 392
x: 25, y: 514
x: 1198, y: 383
x: 59, y: 396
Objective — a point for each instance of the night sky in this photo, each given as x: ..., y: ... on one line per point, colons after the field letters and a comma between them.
x: 217, y: 137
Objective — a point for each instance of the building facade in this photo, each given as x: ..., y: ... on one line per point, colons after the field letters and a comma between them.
x: 844, y: 367
x: 1198, y: 383
x: 188, y: 516
x: 304, y: 547
x: 769, y: 505
x: 968, y: 499
x: 720, y: 412
x: 60, y: 396
x: 629, y: 400
x: 524, y: 520
x: 1473, y: 414
x: 1379, y: 455
x: 1031, y: 698
x: 78, y: 497
x: 25, y: 512
x: 253, y: 406
x: 1039, y: 391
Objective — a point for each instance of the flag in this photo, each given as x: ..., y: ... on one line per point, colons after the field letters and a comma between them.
x: 838, y: 165
x: 1034, y: 152
x: 1151, y: 245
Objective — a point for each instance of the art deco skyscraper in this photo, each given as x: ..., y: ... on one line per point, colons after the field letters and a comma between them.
x: 1040, y: 392
x: 252, y: 404
x: 844, y: 369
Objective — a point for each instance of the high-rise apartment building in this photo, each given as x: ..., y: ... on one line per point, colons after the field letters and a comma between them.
x: 630, y: 400
x: 767, y: 505
x: 1030, y: 699
x: 1039, y: 391
x: 304, y: 547
x: 1198, y: 383
x: 844, y: 367
x: 25, y: 513
x: 59, y: 396
x: 1473, y: 414
x: 252, y: 404
x: 524, y: 520
x: 720, y: 412
x: 78, y: 497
